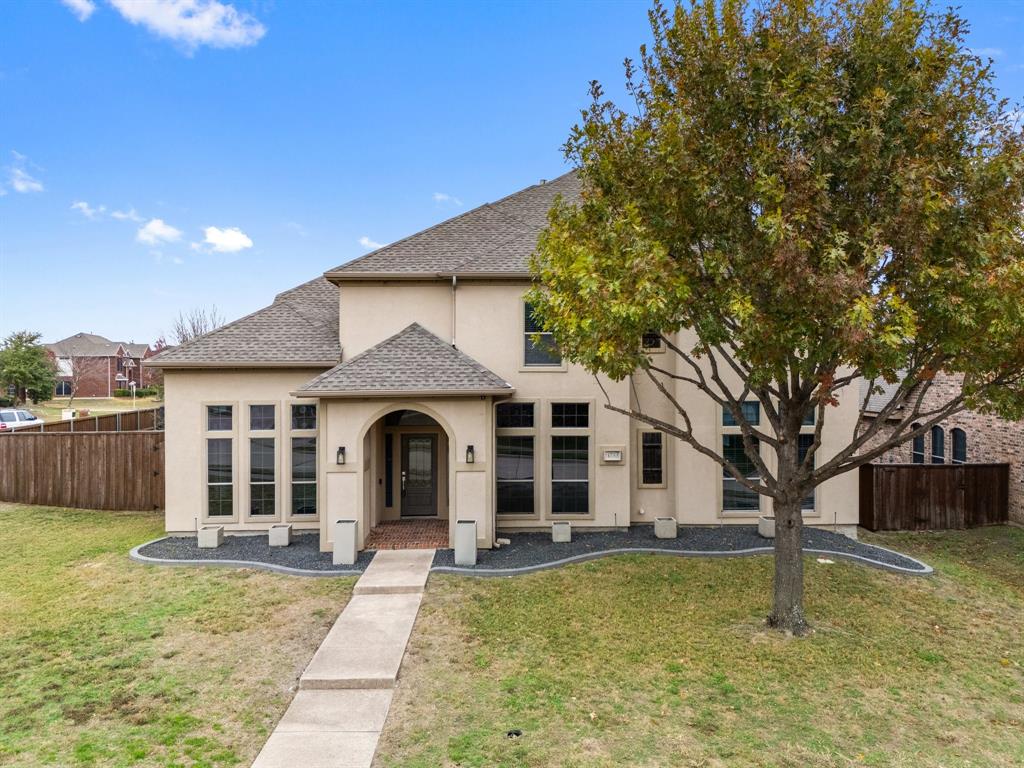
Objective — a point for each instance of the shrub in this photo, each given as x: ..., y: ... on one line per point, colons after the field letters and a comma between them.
x: 6, y: 402
x: 139, y: 392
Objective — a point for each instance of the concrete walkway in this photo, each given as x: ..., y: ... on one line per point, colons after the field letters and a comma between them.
x: 336, y: 717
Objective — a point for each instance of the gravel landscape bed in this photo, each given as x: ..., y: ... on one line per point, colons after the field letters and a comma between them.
x: 527, y: 551
x: 535, y: 551
x: 303, y: 555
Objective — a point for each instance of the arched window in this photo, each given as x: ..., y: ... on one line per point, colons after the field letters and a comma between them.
x: 959, y: 446
x: 917, y: 452
x: 938, y: 445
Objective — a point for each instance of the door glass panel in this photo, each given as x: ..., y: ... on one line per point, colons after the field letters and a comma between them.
x: 418, y: 497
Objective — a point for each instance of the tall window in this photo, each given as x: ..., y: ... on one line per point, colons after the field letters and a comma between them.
x: 938, y: 445
x: 62, y: 389
x: 917, y: 448
x: 219, y: 478
x: 735, y: 496
x: 652, y: 459
x: 959, y: 446
x: 570, y: 458
x: 543, y: 351
x: 302, y: 485
x: 303, y: 475
x: 804, y: 444
x: 516, y: 459
x: 261, y: 476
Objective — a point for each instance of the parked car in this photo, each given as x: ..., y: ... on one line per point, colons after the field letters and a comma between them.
x: 16, y: 418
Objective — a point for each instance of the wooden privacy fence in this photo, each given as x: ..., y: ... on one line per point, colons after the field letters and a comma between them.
x: 920, y: 497
x: 126, y: 421
x: 98, y: 470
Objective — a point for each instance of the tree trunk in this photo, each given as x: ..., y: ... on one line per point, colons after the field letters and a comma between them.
x: 788, y: 607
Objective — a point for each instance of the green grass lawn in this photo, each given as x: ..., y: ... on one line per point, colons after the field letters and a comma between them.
x: 105, y: 662
x: 50, y: 410
x: 660, y: 661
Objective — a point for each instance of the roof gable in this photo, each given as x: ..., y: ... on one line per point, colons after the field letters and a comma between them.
x: 494, y: 239
x: 412, y: 361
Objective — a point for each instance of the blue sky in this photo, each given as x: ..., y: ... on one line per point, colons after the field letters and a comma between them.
x: 151, y: 163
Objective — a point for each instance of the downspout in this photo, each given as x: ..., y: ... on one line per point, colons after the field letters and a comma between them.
x: 455, y: 284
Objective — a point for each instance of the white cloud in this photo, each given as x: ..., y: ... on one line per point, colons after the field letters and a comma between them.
x: 18, y: 176
x: 82, y: 9
x: 129, y: 215
x: 194, y: 23
x: 228, y: 240
x: 443, y: 197
x: 988, y: 53
x: 177, y: 260
x: 368, y: 243
x: 157, y: 231
x: 87, y: 210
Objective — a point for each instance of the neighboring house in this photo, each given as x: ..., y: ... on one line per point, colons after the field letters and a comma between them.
x: 968, y: 437
x: 407, y: 384
x: 93, y: 366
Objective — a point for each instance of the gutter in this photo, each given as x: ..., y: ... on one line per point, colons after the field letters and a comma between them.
x: 235, y: 365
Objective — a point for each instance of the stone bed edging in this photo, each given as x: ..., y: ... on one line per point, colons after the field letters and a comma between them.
x: 925, y: 569
x: 138, y: 557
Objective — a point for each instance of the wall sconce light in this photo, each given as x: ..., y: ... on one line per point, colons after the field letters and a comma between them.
x: 341, y: 455
x: 470, y: 455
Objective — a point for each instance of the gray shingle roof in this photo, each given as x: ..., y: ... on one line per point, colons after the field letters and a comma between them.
x: 299, y: 328
x: 496, y: 238
x: 412, y: 361
x: 93, y: 345
x: 878, y: 400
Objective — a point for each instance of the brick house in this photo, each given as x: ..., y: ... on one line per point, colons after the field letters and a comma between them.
x: 93, y: 366
x: 968, y: 437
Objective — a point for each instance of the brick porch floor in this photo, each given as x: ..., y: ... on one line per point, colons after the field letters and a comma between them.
x: 409, y: 534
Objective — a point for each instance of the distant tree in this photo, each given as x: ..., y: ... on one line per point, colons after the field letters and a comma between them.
x: 76, y: 371
x: 27, y: 366
x: 818, y: 193
x: 194, y: 323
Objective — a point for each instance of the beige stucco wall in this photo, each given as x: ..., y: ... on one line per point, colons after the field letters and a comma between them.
x: 486, y: 322
x: 186, y: 394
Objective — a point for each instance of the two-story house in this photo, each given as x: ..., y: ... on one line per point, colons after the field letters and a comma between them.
x: 409, y: 384
x: 89, y: 365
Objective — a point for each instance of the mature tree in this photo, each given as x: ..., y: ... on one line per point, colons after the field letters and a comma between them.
x: 194, y: 323
x: 27, y: 366
x: 819, y: 194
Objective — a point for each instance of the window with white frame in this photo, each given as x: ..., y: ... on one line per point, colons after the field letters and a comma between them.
x: 262, y: 485
x: 570, y: 458
x: 736, y: 497
x: 651, y: 341
x: 539, y: 347
x: 303, y: 482
x: 805, y: 441
x: 652, y: 459
x: 516, y: 459
x: 219, y: 477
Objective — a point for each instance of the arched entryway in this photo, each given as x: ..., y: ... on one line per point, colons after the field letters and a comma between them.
x: 407, y: 481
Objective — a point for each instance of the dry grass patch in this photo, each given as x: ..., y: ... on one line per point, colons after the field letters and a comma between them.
x: 659, y: 661
x: 105, y: 662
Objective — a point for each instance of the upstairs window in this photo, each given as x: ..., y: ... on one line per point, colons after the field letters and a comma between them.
x: 543, y: 351
x: 651, y: 342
